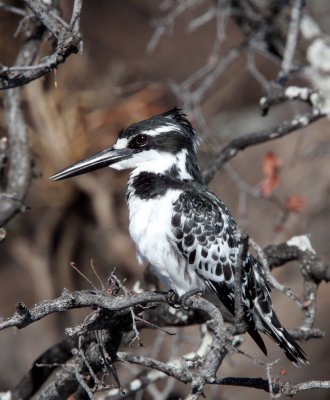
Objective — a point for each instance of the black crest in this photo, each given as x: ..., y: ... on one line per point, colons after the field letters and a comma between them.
x: 174, y: 116
x: 179, y: 117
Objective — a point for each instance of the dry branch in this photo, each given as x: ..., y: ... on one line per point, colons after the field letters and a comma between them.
x: 43, y: 367
x: 19, y: 172
x: 67, y: 41
x: 243, y: 142
x: 70, y: 300
x: 113, y: 314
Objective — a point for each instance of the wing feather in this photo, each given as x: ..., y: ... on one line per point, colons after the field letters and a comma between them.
x: 205, y: 234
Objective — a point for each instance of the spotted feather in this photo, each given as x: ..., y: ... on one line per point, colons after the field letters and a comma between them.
x: 206, y: 236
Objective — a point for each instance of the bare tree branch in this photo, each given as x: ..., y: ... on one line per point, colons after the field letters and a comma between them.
x: 14, y: 10
x: 243, y: 142
x: 45, y: 17
x: 19, y: 173
x: 290, y: 390
x: 42, y: 368
x: 313, y: 270
x: 114, y: 315
x: 69, y: 300
x: 277, y: 95
x: 67, y: 40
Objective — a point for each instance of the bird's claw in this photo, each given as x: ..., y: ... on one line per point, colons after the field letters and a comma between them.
x: 186, y: 305
x: 173, y: 299
x: 176, y: 301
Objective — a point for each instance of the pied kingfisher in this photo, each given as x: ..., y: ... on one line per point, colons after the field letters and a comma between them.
x: 180, y: 227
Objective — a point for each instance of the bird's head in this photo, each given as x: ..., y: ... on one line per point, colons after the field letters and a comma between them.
x: 157, y: 144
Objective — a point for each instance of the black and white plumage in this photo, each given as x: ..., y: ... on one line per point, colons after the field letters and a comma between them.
x: 180, y: 227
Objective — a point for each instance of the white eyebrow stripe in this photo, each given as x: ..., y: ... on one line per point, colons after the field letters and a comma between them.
x: 161, y: 129
x: 121, y: 144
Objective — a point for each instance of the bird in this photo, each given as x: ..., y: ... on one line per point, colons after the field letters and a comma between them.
x: 181, y: 228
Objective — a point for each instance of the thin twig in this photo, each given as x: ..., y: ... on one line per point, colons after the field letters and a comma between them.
x: 81, y: 381
x: 73, y: 265
x: 292, y: 40
x: 76, y: 13
x: 127, y: 293
x: 270, y: 380
x: 243, y: 142
x: 97, y: 276
x: 290, y: 390
x: 12, y: 9
x: 45, y: 18
x: 81, y: 353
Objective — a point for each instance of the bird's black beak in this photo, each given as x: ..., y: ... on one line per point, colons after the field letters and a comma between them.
x: 99, y: 160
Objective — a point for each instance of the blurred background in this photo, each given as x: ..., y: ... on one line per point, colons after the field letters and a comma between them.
x: 130, y: 70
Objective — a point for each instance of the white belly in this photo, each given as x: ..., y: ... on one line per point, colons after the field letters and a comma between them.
x: 150, y: 229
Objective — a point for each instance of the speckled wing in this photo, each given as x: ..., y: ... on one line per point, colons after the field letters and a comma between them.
x: 205, y: 234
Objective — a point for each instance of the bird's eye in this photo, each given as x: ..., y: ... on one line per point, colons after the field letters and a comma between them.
x: 141, y: 140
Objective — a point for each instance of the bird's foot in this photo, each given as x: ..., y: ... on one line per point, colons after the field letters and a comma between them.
x: 177, y: 302
x: 173, y: 299
x: 184, y: 299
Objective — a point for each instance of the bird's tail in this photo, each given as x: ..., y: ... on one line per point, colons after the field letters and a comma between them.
x: 268, y: 319
x: 276, y: 331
